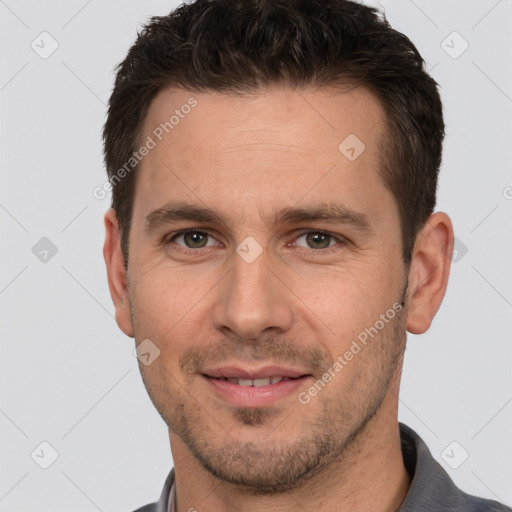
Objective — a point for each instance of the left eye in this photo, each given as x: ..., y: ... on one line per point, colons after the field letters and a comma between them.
x: 316, y: 240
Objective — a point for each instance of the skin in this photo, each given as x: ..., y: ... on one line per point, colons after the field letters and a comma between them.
x: 301, y: 303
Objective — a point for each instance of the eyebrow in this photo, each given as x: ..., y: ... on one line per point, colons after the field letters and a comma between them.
x: 331, y: 213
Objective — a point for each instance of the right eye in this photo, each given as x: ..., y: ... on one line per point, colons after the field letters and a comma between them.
x: 192, y: 239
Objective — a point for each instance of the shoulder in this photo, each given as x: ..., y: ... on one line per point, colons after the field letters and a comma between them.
x: 431, y: 487
x: 476, y: 504
x: 147, y: 508
x: 163, y: 503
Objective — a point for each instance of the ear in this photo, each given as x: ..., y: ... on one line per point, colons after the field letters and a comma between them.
x: 116, y: 272
x: 429, y: 271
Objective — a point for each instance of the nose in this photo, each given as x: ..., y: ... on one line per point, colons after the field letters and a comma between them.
x: 252, y: 300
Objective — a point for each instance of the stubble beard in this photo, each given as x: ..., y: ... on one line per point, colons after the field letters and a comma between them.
x: 325, y: 439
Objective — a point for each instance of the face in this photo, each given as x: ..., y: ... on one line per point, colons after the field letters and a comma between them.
x: 261, y: 249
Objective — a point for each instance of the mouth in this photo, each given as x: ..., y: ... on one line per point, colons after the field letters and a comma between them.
x: 257, y: 382
x: 245, y: 387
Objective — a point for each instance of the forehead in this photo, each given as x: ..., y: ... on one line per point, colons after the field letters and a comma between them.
x: 267, y: 115
x: 269, y: 148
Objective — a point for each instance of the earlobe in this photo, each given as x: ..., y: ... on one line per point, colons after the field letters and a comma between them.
x: 429, y: 272
x: 116, y: 272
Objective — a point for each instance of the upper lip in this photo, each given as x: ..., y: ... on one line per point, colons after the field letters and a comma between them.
x: 237, y: 372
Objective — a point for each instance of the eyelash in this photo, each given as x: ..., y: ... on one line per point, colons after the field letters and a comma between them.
x: 308, y: 251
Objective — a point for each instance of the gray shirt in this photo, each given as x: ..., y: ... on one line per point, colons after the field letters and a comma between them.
x: 431, y: 489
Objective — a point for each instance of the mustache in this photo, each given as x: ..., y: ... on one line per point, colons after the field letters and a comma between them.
x: 273, y: 349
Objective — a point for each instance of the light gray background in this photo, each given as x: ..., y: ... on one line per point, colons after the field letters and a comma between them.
x: 68, y: 375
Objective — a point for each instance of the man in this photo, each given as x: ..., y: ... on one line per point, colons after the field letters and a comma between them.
x: 271, y: 240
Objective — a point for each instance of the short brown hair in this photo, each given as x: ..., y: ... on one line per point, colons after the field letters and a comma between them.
x: 239, y: 46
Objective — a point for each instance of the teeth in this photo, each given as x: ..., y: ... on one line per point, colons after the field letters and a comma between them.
x: 257, y: 382
x: 261, y: 382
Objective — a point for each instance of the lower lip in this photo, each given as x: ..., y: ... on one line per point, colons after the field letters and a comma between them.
x: 251, y: 396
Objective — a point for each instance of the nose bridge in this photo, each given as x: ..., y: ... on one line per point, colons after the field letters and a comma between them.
x: 252, y: 299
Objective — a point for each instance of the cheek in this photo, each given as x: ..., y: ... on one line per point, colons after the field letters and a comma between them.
x: 347, y: 290
x: 172, y: 312
x: 171, y: 287
x: 338, y: 305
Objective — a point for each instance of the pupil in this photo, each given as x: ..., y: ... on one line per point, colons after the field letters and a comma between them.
x: 318, y: 240
x: 195, y: 239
